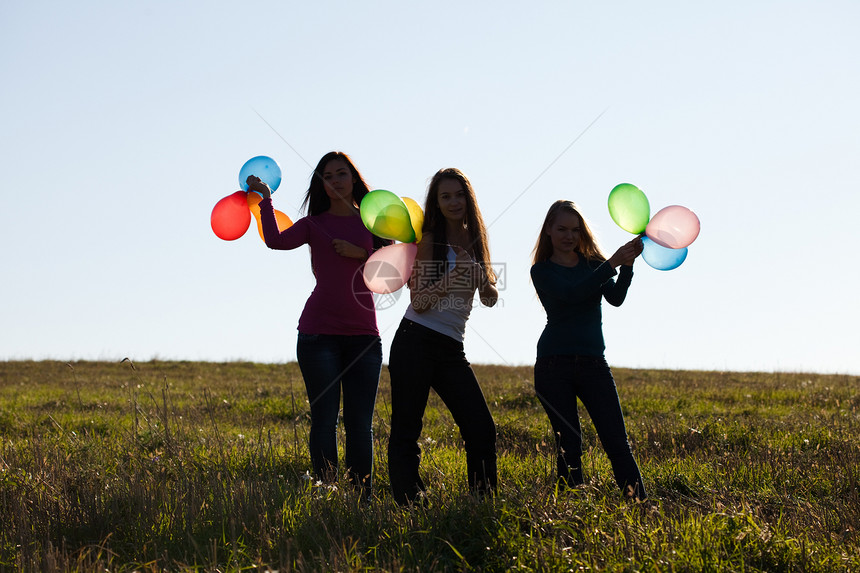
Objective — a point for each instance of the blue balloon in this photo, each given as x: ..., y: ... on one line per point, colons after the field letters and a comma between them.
x: 263, y: 167
x: 660, y: 257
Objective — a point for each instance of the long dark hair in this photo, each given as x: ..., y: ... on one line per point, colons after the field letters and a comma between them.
x: 434, y: 222
x: 587, y: 247
x: 317, y: 201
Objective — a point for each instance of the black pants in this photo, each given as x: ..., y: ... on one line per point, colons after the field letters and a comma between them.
x: 559, y: 381
x: 421, y: 359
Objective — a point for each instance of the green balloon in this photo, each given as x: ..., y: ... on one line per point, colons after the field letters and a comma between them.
x: 385, y: 215
x: 629, y: 208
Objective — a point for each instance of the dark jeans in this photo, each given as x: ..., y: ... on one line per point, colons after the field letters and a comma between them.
x: 559, y: 381
x: 330, y: 363
x: 421, y: 359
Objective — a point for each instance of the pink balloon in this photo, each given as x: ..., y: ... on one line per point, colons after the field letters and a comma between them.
x: 388, y: 269
x: 674, y: 227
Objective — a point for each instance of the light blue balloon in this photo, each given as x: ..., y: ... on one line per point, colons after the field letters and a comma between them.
x: 263, y: 167
x: 660, y: 257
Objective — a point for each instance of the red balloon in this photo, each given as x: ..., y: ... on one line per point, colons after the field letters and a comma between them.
x: 231, y: 216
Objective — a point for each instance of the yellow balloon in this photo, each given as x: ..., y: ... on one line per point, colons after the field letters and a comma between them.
x: 416, y: 216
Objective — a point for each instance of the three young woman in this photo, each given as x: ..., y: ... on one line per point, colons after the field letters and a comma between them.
x: 571, y: 276
x: 453, y: 262
x: 339, y: 348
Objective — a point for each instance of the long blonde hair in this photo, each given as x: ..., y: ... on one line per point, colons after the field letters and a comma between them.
x: 587, y: 248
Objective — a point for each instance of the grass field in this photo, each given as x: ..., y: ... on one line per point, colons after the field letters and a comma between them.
x: 202, y: 466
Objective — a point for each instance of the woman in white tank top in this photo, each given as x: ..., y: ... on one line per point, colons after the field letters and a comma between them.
x: 453, y: 262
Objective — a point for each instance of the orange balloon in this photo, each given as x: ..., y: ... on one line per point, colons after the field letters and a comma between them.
x: 283, y: 221
x: 253, y: 200
x: 254, y: 205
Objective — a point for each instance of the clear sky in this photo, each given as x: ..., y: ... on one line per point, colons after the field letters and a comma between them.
x: 123, y: 123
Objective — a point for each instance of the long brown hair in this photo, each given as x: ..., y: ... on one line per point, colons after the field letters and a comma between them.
x: 588, y: 247
x: 317, y: 201
x: 434, y: 221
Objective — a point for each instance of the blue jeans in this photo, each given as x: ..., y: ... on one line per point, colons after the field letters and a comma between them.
x: 421, y: 359
x: 559, y: 381
x: 330, y: 363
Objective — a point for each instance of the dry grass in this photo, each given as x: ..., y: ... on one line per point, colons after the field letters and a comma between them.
x: 201, y: 466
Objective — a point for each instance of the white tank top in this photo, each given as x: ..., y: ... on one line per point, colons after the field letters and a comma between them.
x: 450, y: 313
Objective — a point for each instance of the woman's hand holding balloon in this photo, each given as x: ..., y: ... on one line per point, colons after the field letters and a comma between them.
x: 231, y: 216
x: 257, y: 184
x: 666, y: 235
x: 637, y: 246
x: 627, y: 253
x: 640, y: 246
x: 347, y: 249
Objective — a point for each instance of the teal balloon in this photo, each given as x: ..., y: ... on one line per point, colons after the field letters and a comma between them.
x: 660, y: 257
x: 386, y: 215
x: 629, y: 208
x: 265, y: 168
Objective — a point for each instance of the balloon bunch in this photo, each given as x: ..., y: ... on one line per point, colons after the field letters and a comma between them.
x: 231, y: 216
x: 400, y: 219
x: 667, y: 234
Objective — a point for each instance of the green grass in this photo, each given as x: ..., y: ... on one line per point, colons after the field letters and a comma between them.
x: 199, y: 466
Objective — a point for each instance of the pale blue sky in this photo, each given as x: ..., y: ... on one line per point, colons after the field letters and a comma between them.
x: 123, y: 123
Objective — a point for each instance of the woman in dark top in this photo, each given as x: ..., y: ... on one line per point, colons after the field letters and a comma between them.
x: 571, y: 276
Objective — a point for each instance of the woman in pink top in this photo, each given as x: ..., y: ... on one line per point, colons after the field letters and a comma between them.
x: 338, y: 347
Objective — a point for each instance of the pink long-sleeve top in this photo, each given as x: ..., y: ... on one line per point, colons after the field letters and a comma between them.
x: 340, y: 303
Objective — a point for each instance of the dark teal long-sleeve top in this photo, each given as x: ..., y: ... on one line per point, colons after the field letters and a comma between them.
x: 571, y: 297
